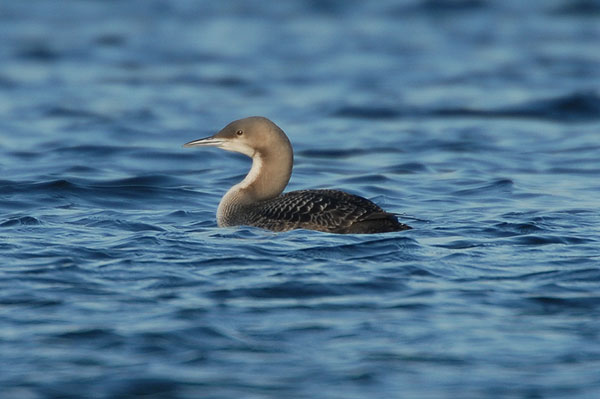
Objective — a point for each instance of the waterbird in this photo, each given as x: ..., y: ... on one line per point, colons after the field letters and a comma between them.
x: 258, y: 200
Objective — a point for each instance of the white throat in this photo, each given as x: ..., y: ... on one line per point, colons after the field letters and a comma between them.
x: 241, y: 192
x: 253, y: 174
x: 267, y: 178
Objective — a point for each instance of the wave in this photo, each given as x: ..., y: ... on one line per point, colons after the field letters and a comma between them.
x: 574, y: 107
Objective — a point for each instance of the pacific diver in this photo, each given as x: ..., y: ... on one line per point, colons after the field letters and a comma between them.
x: 257, y: 200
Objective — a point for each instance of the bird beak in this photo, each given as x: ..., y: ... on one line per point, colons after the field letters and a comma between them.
x: 211, y: 141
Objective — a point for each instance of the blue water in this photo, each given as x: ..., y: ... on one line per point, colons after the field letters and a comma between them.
x: 477, y: 121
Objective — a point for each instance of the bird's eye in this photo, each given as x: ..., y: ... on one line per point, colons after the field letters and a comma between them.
x: 239, y: 132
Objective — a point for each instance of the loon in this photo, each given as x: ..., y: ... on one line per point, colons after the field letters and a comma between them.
x: 258, y: 200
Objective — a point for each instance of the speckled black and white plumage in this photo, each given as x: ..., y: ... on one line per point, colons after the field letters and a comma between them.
x: 331, y: 211
x: 257, y: 200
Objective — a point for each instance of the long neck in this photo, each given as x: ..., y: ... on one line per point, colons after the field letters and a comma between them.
x: 267, y: 178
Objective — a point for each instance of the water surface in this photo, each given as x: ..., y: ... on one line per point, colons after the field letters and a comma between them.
x: 477, y: 121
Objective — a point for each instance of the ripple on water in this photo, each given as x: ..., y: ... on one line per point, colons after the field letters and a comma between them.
x: 547, y: 239
x: 575, y: 107
x: 507, y: 229
x: 392, y: 245
x: 486, y: 189
x: 367, y: 112
x: 572, y: 304
x: 20, y: 221
x: 310, y: 289
x: 125, y: 225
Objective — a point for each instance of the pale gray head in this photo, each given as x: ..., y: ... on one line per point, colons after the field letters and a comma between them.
x: 255, y: 135
x: 271, y: 153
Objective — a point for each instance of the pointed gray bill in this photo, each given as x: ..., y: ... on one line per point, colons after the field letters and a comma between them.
x: 211, y: 141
